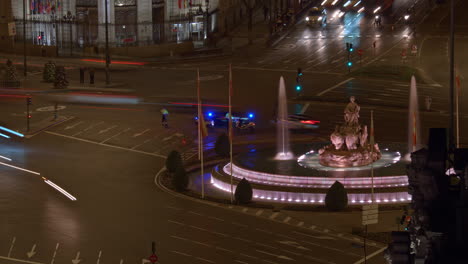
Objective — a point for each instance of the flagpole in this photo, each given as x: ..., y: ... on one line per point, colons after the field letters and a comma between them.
x: 372, y: 151
x: 200, y: 137
x: 457, y: 77
x: 230, y: 130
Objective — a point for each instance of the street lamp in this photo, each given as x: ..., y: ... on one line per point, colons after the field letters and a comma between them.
x: 24, y: 38
x: 107, y: 43
x: 69, y: 18
x: 207, y: 3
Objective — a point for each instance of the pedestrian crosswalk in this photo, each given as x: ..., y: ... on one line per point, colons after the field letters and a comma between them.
x: 154, y: 141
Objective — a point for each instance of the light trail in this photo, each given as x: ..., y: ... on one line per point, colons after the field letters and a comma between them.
x: 3, y: 135
x: 3, y: 157
x: 357, y: 4
x: 18, y: 168
x: 194, y: 104
x: 117, y: 62
x: 11, y: 131
x: 58, y: 188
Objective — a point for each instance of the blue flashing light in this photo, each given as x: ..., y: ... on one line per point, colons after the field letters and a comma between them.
x: 210, y: 114
x: 300, y: 74
x: 196, y: 118
x: 3, y: 135
x: 350, y: 64
x: 251, y: 115
x: 11, y: 131
x: 298, y: 88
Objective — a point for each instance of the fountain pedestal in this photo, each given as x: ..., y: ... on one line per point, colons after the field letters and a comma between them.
x: 349, y: 147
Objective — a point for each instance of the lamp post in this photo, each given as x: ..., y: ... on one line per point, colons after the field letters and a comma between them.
x: 107, y: 42
x: 69, y: 18
x: 207, y: 4
x: 452, y: 75
x: 24, y: 38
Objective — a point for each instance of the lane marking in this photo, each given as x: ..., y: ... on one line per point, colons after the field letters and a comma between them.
x: 115, y: 135
x: 209, y: 261
x: 18, y: 168
x: 330, y: 248
x: 259, y: 212
x: 106, y: 145
x: 334, y: 86
x: 73, y: 126
x: 370, y: 256
x: 274, y: 215
x: 144, y: 142
x: 245, y: 210
x: 264, y: 231
x: 88, y: 128
x: 181, y: 253
x: 223, y: 249
x: 20, y: 260
x: 216, y: 218
x: 245, y: 255
x: 242, y: 239
x: 286, y: 219
x: 195, y: 213
x: 241, y: 261
x: 175, y: 222
x: 265, y: 245
x: 300, y: 223
x: 107, y: 129
x: 239, y: 224
x: 141, y: 133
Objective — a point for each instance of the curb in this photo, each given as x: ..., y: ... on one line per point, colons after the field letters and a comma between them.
x: 271, y: 215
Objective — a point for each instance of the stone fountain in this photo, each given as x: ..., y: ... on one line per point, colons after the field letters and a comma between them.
x: 350, y: 146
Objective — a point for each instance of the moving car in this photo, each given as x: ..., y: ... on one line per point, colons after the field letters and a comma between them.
x: 220, y: 119
x: 316, y: 16
x: 302, y: 122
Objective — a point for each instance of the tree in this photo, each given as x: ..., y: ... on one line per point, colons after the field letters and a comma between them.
x: 173, y: 161
x: 243, y: 192
x: 61, y: 81
x: 180, y: 178
x: 222, y: 147
x: 48, y: 75
x: 337, y: 197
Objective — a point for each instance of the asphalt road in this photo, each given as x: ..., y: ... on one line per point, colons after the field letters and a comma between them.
x: 108, y: 155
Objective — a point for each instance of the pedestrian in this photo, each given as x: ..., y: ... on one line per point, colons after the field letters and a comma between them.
x: 428, y: 102
x: 91, y: 75
x: 164, y: 114
x: 265, y: 12
x: 82, y: 73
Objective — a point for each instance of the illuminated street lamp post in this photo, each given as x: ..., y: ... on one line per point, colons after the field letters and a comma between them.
x: 69, y: 18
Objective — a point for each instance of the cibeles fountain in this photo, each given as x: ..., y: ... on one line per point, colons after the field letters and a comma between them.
x: 302, y: 173
x: 350, y: 146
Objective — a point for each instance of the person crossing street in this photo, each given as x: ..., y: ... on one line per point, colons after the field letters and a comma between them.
x: 164, y: 114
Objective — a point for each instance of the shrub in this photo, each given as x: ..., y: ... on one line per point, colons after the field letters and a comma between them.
x: 222, y: 147
x: 337, y: 197
x: 243, y: 192
x: 48, y: 75
x: 173, y: 161
x: 180, y: 178
x: 61, y: 81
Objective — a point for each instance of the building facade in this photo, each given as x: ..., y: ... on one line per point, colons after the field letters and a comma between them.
x: 82, y: 23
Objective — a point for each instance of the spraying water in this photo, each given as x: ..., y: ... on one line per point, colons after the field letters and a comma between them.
x: 283, y: 152
x: 414, y: 134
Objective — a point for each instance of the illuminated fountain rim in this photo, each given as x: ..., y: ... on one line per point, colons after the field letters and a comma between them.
x: 316, y: 198
x: 265, y: 178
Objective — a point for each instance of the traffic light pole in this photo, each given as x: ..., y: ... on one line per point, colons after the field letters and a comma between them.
x: 28, y: 101
x: 452, y: 47
x: 107, y: 43
x: 24, y: 38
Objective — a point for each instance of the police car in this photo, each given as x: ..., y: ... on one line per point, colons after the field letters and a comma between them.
x: 220, y: 119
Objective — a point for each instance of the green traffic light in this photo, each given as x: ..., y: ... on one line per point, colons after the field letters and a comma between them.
x: 298, y: 88
x: 350, y: 64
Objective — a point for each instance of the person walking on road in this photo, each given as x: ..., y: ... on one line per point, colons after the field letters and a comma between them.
x: 164, y: 114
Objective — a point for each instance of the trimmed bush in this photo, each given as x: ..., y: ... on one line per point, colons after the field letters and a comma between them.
x: 243, y: 192
x: 337, y: 197
x: 173, y: 161
x: 180, y: 178
x: 48, y: 75
x: 61, y: 81
x: 222, y: 147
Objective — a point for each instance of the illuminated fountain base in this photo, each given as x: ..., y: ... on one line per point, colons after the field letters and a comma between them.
x: 304, y: 180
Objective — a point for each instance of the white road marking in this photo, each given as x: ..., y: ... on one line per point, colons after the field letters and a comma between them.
x: 18, y: 168
x: 274, y: 255
x: 242, y: 239
x: 115, y: 135
x: 195, y: 213
x: 286, y: 219
x: 370, y: 256
x: 330, y: 248
x: 242, y: 262
x: 74, y: 125
x: 106, y: 145
x: 265, y: 245
x: 245, y: 210
x: 317, y: 237
x: 172, y: 207
x: 209, y: 261
x: 206, y: 230
x: 107, y: 129
x: 300, y: 223
x: 290, y: 252
x: 216, y: 218
x: 175, y: 222
x: 144, y: 142
x: 223, y: 249
x: 141, y: 133
x: 181, y: 253
x: 274, y: 215
x: 88, y: 128
x: 20, y: 260
x: 245, y: 255
x: 259, y: 212
x: 334, y: 87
